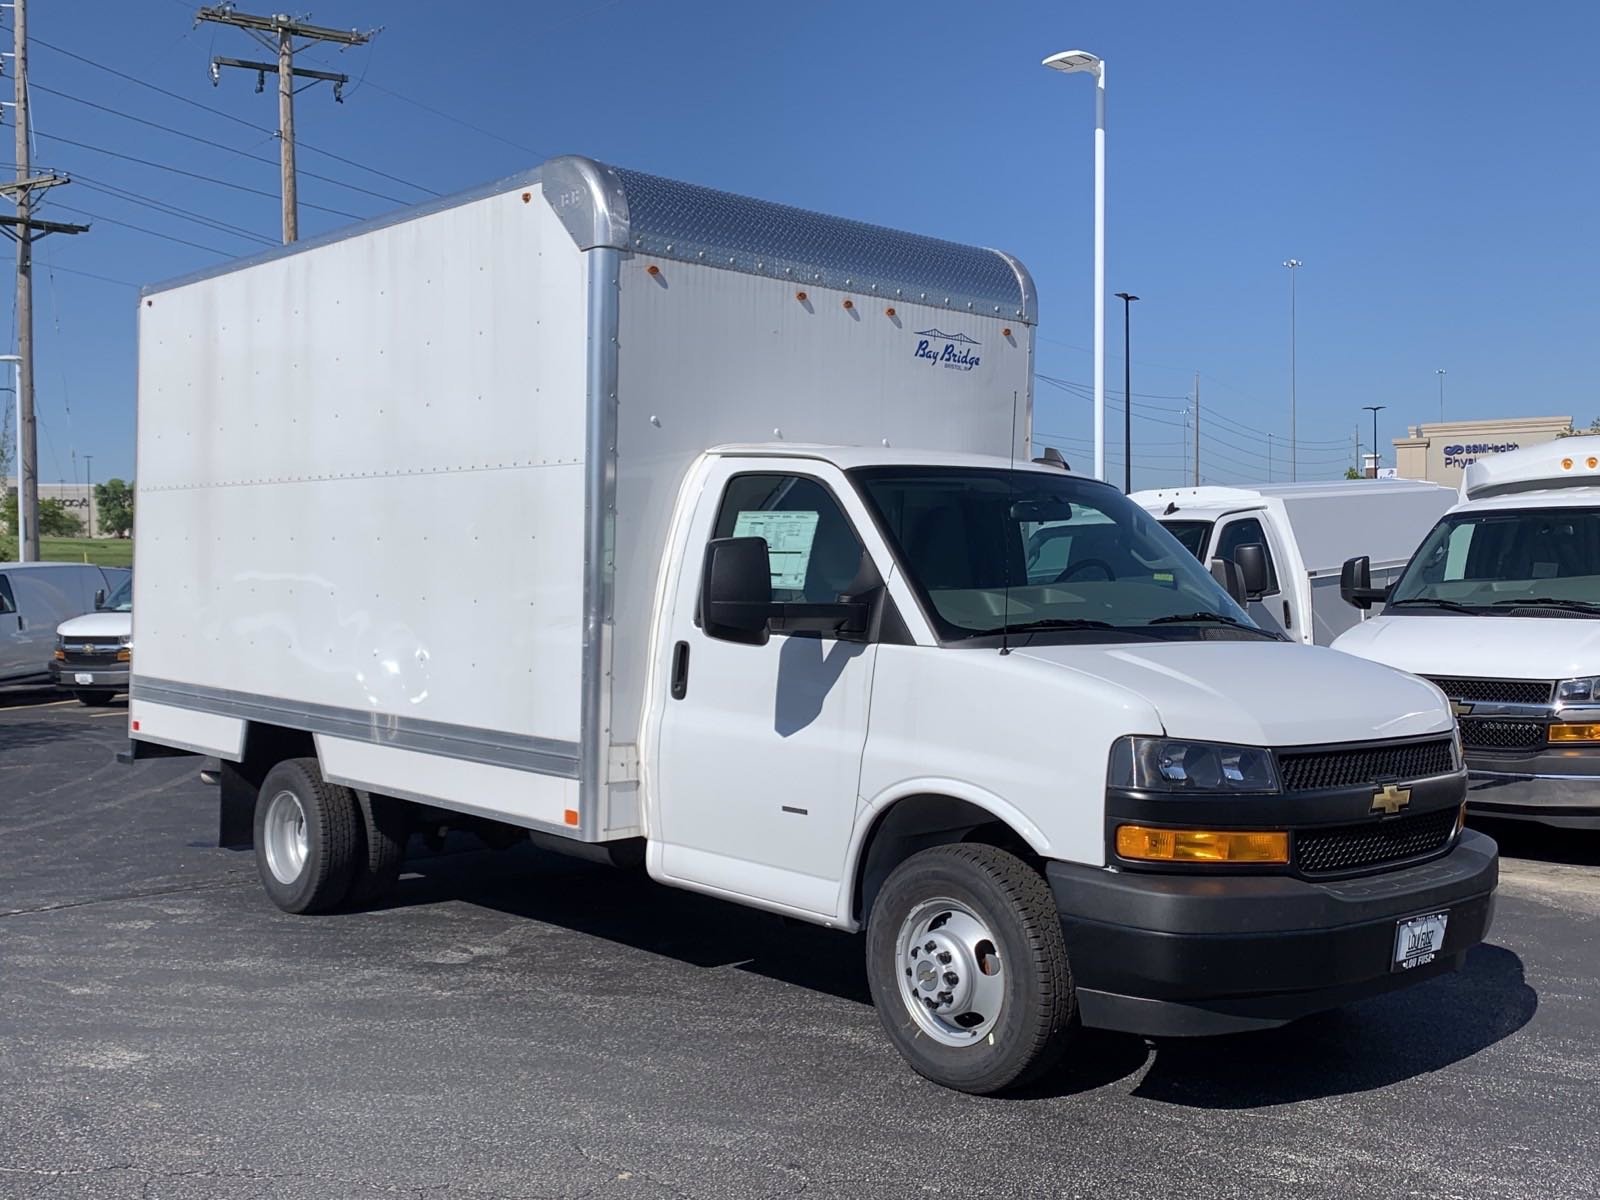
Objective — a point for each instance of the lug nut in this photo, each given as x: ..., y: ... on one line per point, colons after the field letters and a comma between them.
x: 952, y: 978
x: 931, y: 947
x: 945, y: 997
x: 944, y: 956
x: 914, y: 952
x: 908, y: 972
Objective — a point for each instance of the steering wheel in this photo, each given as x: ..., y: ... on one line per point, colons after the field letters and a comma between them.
x: 1100, y: 563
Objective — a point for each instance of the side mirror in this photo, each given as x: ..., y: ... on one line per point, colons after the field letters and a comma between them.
x: 1252, y: 562
x: 736, y: 590
x: 1355, y: 584
x: 99, y: 599
x: 1226, y: 572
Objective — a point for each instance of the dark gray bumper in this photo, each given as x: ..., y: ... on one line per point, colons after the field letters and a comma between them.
x: 1189, y: 954
x: 89, y: 678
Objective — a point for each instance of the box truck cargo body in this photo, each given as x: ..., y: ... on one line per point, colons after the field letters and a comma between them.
x: 675, y: 526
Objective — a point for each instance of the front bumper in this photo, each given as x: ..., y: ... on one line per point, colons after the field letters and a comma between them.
x: 96, y: 678
x: 1553, y: 787
x: 1183, y: 955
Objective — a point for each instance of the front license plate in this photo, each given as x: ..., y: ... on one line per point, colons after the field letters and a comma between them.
x: 83, y: 677
x: 1418, y: 940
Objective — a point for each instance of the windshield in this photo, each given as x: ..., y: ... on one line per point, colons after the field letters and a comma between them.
x: 1191, y: 535
x: 120, y: 600
x: 1501, y: 559
x: 989, y: 549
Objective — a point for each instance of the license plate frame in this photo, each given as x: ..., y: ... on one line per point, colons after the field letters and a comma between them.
x: 1418, y: 940
x: 83, y: 677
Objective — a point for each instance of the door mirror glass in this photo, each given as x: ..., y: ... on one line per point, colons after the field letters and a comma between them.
x: 99, y: 599
x: 736, y: 590
x: 1252, y: 561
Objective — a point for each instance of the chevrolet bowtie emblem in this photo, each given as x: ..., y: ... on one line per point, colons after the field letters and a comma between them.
x: 1459, y: 708
x: 1392, y: 799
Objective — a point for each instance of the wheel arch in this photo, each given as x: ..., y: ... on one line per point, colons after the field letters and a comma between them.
x: 919, y: 813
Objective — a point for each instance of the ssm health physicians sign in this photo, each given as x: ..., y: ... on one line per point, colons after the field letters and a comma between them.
x: 1464, y: 454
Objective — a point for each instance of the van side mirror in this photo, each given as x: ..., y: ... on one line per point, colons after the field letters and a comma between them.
x: 1226, y: 572
x: 99, y: 599
x: 1355, y: 584
x: 736, y: 590
x: 1252, y: 562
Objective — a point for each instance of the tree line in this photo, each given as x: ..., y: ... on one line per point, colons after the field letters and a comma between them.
x: 113, y: 506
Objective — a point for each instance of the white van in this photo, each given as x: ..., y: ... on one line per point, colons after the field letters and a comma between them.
x: 1500, y: 608
x: 1306, y: 531
x: 37, y: 597
x: 684, y: 528
x: 93, y: 651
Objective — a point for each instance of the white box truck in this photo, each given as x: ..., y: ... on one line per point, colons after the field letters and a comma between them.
x: 671, y: 524
x: 1498, y: 608
x: 1306, y: 532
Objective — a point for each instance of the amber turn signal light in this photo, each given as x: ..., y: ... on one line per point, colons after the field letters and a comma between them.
x: 1572, y: 731
x: 1143, y: 844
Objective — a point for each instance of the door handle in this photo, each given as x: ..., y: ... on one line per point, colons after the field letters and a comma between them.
x: 1288, y: 621
x: 680, y: 670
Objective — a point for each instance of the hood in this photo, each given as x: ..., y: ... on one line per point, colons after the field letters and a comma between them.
x: 107, y: 625
x: 1479, y: 647
x: 1261, y: 693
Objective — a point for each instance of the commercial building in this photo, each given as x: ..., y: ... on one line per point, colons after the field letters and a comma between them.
x: 1442, y: 450
x: 76, y: 498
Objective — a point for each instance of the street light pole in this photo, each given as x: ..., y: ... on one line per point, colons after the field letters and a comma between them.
x: 22, y: 509
x: 1377, y: 458
x: 1127, y: 396
x: 1440, y: 374
x: 1070, y: 62
x: 1294, y: 264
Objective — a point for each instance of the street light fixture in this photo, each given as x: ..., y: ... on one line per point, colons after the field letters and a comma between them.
x: 1440, y: 374
x: 1127, y: 396
x: 1294, y: 264
x: 1074, y: 62
x: 1377, y: 458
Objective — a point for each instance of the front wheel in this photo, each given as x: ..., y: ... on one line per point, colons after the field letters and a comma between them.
x: 968, y: 968
x: 94, y: 699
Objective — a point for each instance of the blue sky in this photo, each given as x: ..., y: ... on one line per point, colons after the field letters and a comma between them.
x: 1434, y: 164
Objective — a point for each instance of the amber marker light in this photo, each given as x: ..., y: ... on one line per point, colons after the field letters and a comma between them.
x: 1573, y: 731
x: 888, y: 312
x: 1566, y: 464
x: 849, y: 303
x: 1144, y: 844
x: 800, y: 296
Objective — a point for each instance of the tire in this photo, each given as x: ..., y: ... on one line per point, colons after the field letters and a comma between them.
x: 94, y: 699
x: 383, y: 828
x: 306, y: 834
x: 995, y: 917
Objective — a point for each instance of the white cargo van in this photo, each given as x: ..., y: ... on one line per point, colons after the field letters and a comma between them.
x: 1501, y: 608
x: 676, y: 525
x: 1305, y: 532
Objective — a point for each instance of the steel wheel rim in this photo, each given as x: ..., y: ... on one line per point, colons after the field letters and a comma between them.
x: 952, y: 978
x: 284, y: 837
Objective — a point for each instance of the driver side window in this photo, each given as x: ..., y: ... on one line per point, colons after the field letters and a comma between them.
x: 813, y: 553
x: 8, y: 603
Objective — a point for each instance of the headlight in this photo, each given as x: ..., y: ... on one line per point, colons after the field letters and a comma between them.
x: 1578, y: 691
x: 1168, y: 765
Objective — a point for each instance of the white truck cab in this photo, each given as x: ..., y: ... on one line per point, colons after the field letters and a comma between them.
x: 685, y: 529
x: 1500, y: 607
x: 1305, y: 532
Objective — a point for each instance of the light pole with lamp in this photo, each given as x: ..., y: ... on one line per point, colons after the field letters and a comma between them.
x: 1127, y: 396
x: 1440, y: 374
x: 22, y: 514
x: 1377, y: 458
x: 1072, y: 61
x: 1294, y: 264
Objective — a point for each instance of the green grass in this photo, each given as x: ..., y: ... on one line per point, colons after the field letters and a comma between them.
x: 107, y: 552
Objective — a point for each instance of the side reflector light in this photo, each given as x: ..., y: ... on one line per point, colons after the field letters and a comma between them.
x: 570, y: 816
x: 1144, y: 844
x: 1572, y: 731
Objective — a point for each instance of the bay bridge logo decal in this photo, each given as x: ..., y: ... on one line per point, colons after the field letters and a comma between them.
x: 953, y: 351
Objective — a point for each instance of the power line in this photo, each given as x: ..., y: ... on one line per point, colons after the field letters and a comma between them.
x: 438, y: 112
x: 230, y: 117
x: 214, y: 145
x: 145, y: 162
x: 172, y: 210
x: 86, y: 274
x: 152, y: 232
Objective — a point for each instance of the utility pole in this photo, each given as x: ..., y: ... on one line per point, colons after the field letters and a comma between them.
x: 1294, y: 264
x: 1269, y: 458
x: 88, y: 492
x: 23, y: 229
x: 278, y: 33
x: 1377, y: 459
x: 1197, y: 429
x: 1359, y: 469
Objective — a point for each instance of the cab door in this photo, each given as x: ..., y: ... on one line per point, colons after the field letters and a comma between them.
x: 759, y: 746
x: 1274, y: 609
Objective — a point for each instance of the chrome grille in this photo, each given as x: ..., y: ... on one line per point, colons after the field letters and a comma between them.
x: 1495, y: 691
x: 1349, y: 766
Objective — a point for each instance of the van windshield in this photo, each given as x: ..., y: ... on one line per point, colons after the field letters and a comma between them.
x: 990, y: 550
x: 1503, y: 560
x: 121, y: 600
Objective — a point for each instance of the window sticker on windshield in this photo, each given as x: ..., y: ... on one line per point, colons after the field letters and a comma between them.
x: 789, y: 536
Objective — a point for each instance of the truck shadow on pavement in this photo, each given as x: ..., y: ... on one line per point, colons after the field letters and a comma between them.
x: 23, y: 735
x: 1526, y: 839
x: 1370, y: 1045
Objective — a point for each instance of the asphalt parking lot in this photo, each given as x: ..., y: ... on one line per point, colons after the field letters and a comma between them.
x: 520, y: 1025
